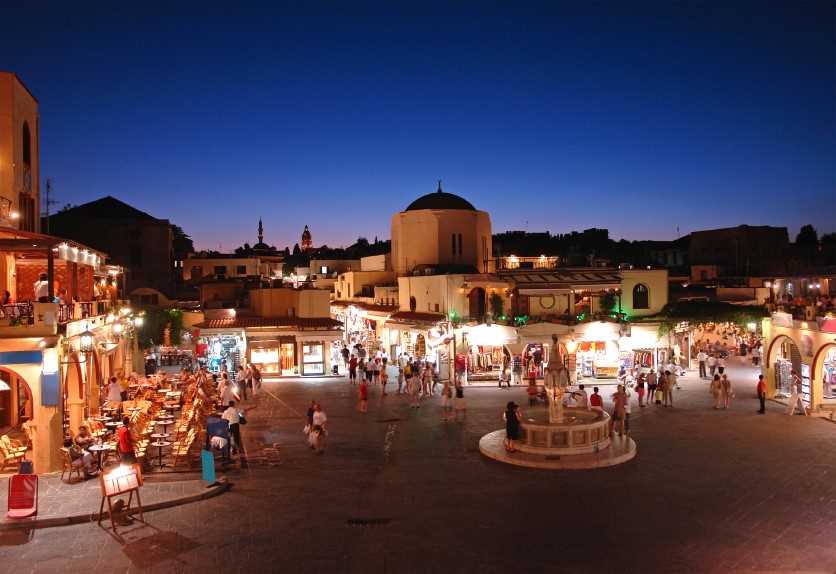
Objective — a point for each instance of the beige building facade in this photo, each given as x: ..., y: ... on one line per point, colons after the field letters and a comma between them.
x: 19, y: 155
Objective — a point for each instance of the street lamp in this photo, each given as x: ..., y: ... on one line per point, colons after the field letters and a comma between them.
x: 138, y: 321
x: 86, y: 342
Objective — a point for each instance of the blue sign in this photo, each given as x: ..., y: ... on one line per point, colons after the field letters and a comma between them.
x: 207, y: 461
x: 50, y: 391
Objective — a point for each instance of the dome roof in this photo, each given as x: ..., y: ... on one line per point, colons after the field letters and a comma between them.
x: 440, y: 200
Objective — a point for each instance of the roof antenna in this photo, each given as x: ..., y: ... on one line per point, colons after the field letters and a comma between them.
x: 439, y: 187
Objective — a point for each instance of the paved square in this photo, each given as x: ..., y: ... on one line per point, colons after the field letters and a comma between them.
x: 399, y: 490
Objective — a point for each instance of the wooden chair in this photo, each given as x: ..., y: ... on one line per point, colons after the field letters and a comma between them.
x: 10, y: 457
x: 68, y: 465
x: 12, y: 445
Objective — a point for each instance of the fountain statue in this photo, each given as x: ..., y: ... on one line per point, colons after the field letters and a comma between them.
x: 556, y: 381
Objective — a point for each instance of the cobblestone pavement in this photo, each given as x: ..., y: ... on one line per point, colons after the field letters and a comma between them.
x: 401, y: 491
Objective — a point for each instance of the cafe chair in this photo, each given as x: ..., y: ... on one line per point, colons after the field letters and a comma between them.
x: 10, y: 457
x: 68, y: 466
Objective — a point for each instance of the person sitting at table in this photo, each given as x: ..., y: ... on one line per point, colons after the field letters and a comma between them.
x: 83, y: 439
x: 80, y: 458
x: 125, y: 442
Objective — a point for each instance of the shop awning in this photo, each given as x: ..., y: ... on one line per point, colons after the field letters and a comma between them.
x: 491, y: 335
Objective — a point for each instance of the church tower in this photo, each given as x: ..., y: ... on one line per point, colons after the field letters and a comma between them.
x: 307, y: 241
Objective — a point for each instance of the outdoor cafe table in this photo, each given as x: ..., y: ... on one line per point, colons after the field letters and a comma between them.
x: 160, y: 444
x: 165, y: 423
x: 98, y: 450
x: 112, y: 426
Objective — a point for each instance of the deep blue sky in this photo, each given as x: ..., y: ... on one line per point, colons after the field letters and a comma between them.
x: 559, y: 116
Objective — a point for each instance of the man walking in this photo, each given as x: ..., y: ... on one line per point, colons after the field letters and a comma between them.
x: 712, y: 364
x: 761, y: 390
x: 702, y: 357
x: 796, y: 396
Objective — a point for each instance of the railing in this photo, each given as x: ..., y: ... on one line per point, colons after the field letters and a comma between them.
x: 24, y: 313
x: 18, y: 313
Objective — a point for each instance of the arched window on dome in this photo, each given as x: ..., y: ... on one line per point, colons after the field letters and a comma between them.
x: 641, y: 297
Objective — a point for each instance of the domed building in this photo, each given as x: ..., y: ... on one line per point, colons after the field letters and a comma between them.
x: 441, y: 229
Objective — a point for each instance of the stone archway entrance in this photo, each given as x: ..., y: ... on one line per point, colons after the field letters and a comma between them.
x: 15, y: 399
x: 783, y: 357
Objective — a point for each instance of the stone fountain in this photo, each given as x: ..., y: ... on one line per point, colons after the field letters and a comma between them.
x: 560, y: 436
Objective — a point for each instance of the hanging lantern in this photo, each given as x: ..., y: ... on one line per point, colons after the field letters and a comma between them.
x: 86, y: 342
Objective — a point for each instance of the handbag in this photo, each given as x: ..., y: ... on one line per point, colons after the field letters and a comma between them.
x: 242, y: 419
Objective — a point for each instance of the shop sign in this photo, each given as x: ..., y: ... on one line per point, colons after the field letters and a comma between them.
x: 780, y: 319
x: 681, y: 327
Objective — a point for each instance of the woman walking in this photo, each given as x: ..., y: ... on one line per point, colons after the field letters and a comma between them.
x: 726, y: 391
x: 651, y: 386
x: 512, y: 425
x: 715, y: 391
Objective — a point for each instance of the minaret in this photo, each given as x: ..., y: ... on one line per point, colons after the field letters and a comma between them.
x: 307, y: 240
x: 260, y: 231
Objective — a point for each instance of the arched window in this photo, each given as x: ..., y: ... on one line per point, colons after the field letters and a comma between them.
x: 27, y: 145
x: 413, y: 304
x: 641, y: 297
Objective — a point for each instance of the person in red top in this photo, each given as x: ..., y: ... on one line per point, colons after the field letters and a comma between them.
x: 762, y: 394
x: 125, y: 441
x: 364, y: 396
x: 596, y: 403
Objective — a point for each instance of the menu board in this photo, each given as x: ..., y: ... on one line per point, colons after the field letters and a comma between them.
x: 121, y: 479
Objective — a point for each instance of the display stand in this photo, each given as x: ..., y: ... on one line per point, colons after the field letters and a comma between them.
x: 120, y: 481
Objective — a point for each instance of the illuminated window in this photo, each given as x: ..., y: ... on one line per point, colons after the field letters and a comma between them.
x: 27, y: 145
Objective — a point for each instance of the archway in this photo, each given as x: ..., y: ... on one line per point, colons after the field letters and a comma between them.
x: 15, y: 399
x: 824, y: 374
x: 476, y: 298
x: 782, y: 357
x: 74, y: 393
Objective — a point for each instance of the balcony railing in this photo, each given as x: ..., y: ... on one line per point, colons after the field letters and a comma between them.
x: 24, y: 313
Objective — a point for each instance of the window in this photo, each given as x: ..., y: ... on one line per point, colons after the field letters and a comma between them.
x: 703, y: 275
x: 640, y: 297
x: 220, y: 269
x: 197, y: 272
x: 454, y: 243
x: 413, y: 304
x: 436, y: 307
x: 460, y: 243
x: 27, y: 145
x: 241, y: 269
x: 323, y: 270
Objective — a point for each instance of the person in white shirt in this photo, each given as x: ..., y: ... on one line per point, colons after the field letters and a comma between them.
x: 712, y: 364
x: 232, y: 415
x: 41, y: 287
x: 114, y: 391
x: 702, y: 358
x: 317, y: 436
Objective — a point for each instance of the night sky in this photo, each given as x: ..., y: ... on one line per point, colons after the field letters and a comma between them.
x: 560, y: 116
